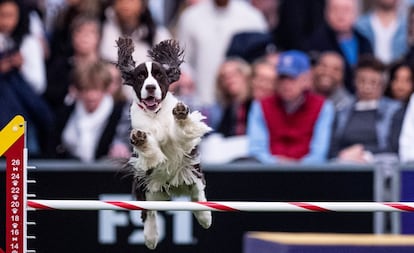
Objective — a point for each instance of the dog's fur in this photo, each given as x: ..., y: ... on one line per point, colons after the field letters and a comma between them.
x: 164, y: 133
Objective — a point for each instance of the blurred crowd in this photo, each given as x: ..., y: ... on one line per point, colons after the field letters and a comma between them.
x: 280, y: 81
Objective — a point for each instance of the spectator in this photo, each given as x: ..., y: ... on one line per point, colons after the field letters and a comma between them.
x: 385, y: 29
x: 294, y: 124
x: 86, y: 129
x: 85, y: 36
x: 263, y: 78
x: 23, y: 50
x: 362, y: 129
x: 401, y: 82
x: 400, y: 87
x: 22, y: 76
x: 233, y: 91
x: 130, y: 18
x: 406, y: 147
x: 205, y: 30
x: 228, y: 117
x: 338, y: 35
x: 328, y: 79
x: 60, y: 35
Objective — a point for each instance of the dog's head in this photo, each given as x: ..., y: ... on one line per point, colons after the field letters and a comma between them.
x: 150, y: 80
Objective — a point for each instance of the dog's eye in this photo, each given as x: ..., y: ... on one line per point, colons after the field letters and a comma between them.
x: 157, y: 74
x: 141, y: 75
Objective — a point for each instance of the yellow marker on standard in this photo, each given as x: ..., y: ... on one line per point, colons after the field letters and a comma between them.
x: 11, y: 133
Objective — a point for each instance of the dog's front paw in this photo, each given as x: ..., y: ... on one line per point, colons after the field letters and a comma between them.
x: 138, y: 138
x: 180, y: 111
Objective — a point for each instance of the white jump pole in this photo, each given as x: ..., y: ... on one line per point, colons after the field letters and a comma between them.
x: 223, y: 206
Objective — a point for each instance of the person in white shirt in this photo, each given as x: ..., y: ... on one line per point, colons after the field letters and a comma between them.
x: 205, y: 30
x: 86, y: 129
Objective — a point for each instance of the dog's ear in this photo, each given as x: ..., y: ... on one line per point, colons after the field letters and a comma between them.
x: 169, y: 54
x: 126, y: 63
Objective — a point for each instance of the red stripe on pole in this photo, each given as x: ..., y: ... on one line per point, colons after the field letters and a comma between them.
x: 124, y: 205
x: 400, y: 207
x: 218, y: 206
x: 310, y: 207
x: 38, y: 205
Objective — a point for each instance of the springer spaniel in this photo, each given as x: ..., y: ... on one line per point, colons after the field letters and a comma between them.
x: 164, y: 135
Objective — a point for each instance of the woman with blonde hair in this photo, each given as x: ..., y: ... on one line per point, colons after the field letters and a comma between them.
x: 234, y: 96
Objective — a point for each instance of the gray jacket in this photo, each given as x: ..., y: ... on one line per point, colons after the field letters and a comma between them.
x: 386, y: 110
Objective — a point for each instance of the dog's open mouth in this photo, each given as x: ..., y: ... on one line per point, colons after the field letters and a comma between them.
x: 151, y: 103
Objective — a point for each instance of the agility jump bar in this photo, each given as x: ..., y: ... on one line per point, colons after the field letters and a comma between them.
x: 221, y: 206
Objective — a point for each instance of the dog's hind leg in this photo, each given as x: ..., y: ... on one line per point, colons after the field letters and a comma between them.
x: 197, y: 194
x: 150, y: 229
x: 150, y: 222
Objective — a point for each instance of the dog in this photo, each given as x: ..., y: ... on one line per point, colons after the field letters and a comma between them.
x: 164, y: 135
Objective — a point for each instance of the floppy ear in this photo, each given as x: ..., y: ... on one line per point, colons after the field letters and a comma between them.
x: 169, y: 54
x: 126, y: 63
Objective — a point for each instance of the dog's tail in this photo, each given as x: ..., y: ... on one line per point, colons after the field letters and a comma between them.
x: 169, y: 54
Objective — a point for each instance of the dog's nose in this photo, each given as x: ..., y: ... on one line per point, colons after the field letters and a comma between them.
x: 150, y: 87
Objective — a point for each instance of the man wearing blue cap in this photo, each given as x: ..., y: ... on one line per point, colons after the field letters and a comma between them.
x: 294, y: 124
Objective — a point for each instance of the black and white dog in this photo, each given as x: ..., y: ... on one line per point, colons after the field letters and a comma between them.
x: 164, y: 133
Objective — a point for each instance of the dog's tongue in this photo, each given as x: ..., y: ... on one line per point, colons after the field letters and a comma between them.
x: 150, y: 101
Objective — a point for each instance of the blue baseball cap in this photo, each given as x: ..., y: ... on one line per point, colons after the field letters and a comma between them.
x: 293, y: 63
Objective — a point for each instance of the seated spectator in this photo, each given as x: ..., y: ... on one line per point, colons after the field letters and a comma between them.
x: 263, y: 78
x: 400, y: 87
x: 228, y: 117
x: 401, y: 82
x: 85, y: 36
x: 233, y: 91
x: 61, y: 30
x: 338, y: 35
x: 86, y: 129
x: 386, y: 29
x: 20, y: 49
x: 294, y: 124
x: 406, y: 144
x: 363, y: 128
x: 22, y: 76
x: 328, y: 79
